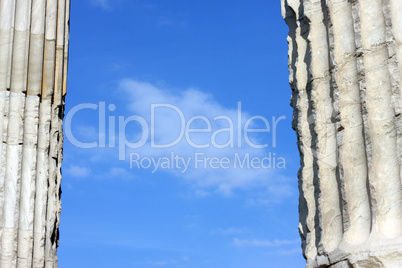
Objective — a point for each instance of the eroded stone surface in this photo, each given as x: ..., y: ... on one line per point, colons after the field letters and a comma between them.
x: 345, y: 77
x: 33, y: 68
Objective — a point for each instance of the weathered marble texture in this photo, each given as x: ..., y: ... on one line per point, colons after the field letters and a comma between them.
x: 33, y: 69
x: 344, y: 64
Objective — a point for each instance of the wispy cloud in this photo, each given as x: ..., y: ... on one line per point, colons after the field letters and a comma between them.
x: 284, y: 252
x: 176, y: 262
x: 274, y: 195
x: 200, y: 193
x: 157, y: 263
x: 86, y: 132
x: 104, y: 4
x: 263, y: 243
x: 195, y: 103
x: 224, y: 140
x: 77, y: 171
x: 229, y: 231
x: 166, y: 22
x: 117, y: 173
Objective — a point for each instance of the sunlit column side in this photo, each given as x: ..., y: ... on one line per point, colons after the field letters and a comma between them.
x: 329, y: 205
x: 381, y: 118
x: 354, y: 160
x: 15, y: 133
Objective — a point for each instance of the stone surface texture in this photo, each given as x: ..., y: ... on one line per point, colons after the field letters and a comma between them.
x: 33, y: 69
x: 344, y: 64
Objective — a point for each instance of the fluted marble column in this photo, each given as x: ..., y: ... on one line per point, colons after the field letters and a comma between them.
x: 345, y: 66
x: 33, y: 68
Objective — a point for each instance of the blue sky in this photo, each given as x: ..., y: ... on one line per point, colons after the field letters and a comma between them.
x: 211, y: 76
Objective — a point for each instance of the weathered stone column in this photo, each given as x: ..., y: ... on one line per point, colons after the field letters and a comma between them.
x: 345, y: 66
x: 33, y: 68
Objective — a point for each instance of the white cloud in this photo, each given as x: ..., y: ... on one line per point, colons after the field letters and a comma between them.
x: 175, y: 262
x: 294, y: 251
x: 77, y: 171
x: 117, y: 173
x: 104, y: 4
x: 263, y: 243
x: 193, y: 102
x: 193, y: 216
x: 166, y: 22
x: 204, y: 178
x: 89, y: 133
x: 274, y: 194
x: 157, y: 263
x: 202, y: 193
x: 229, y: 231
x: 122, y: 173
